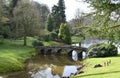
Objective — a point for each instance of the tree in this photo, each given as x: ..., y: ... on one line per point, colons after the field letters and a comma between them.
x: 107, y: 27
x: 61, y: 6
x: 43, y: 12
x: 26, y: 19
x: 58, y: 14
x: 49, y: 23
x: 78, y: 23
x: 4, y: 20
x: 12, y: 5
x: 64, y: 33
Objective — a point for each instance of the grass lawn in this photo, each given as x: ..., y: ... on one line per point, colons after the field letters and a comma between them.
x: 111, y: 71
x: 51, y: 43
x: 76, y: 39
x: 13, y: 55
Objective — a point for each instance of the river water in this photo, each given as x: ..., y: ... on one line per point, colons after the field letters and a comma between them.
x: 47, y: 67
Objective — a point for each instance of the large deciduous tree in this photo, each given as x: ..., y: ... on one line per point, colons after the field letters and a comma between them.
x: 12, y: 5
x: 4, y: 20
x: 26, y: 19
x: 43, y: 13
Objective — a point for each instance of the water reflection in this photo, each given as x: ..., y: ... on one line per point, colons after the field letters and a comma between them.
x: 68, y: 70
x: 50, y: 73
x: 47, y: 73
x: 74, y: 55
x: 47, y: 67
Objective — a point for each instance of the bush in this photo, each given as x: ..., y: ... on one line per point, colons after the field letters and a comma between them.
x: 1, y: 39
x: 46, y: 37
x: 64, y: 33
x: 37, y: 43
x: 54, y: 35
x: 102, y: 50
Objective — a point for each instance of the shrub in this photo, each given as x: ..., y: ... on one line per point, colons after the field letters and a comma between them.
x: 54, y: 35
x: 102, y: 50
x: 64, y: 33
x: 1, y: 39
x: 37, y: 43
x: 46, y: 37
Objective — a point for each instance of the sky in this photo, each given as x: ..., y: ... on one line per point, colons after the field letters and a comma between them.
x: 71, y: 6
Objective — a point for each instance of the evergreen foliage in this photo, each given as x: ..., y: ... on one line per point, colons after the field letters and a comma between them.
x: 64, y: 33
x: 58, y: 14
x: 49, y: 23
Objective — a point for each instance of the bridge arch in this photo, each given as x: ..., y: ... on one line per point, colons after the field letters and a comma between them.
x: 59, y: 51
x: 42, y: 51
x: 70, y: 52
x: 49, y: 51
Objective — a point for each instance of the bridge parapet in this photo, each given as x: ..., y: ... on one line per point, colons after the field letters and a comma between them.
x: 48, y: 50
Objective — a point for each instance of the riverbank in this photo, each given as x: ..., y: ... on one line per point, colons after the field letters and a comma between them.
x: 110, y: 71
x: 13, y: 55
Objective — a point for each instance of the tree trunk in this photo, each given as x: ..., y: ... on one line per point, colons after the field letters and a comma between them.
x: 25, y: 40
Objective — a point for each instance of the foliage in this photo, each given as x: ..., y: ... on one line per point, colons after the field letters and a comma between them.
x: 58, y: 14
x: 42, y: 12
x: 78, y: 22
x: 37, y: 43
x: 53, y: 35
x: 49, y: 23
x: 47, y: 37
x: 25, y: 19
x: 102, y: 50
x: 4, y: 20
x: 1, y: 39
x: 64, y: 33
x: 105, y: 27
x: 61, y: 6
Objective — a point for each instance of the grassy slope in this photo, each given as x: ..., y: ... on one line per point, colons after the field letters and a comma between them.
x: 111, y: 71
x: 13, y: 54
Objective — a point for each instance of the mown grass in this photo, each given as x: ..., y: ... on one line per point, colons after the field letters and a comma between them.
x: 13, y: 55
x: 76, y: 39
x: 50, y: 43
x: 111, y: 71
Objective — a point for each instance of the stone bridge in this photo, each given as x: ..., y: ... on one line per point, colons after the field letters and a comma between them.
x: 58, y: 50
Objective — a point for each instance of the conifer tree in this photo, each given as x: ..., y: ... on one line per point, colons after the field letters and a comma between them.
x: 58, y: 14
x: 49, y: 23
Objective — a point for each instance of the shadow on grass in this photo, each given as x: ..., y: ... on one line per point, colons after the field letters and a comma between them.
x: 99, y: 73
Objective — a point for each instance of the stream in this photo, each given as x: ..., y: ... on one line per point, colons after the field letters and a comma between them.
x: 49, y: 66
